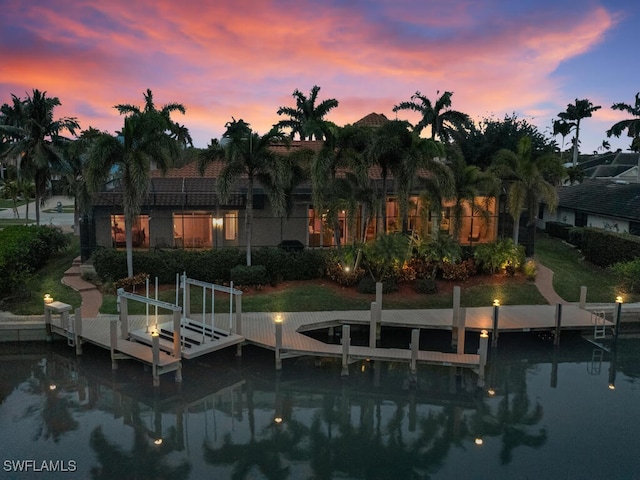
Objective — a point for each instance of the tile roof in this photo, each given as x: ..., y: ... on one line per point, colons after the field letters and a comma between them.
x: 603, y: 197
x: 372, y: 120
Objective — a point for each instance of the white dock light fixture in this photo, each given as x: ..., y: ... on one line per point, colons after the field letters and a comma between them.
x: 48, y: 299
x: 496, y: 302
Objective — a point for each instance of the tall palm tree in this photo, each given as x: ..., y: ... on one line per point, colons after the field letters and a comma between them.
x: 388, y: 149
x: 246, y: 153
x: 469, y: 183
x: 307, y: 118
x: 632, y: 125
x: 35, y: 134
x: 145, y: 137
x: 525, y: 174
x: 562, y: 128
x: 438, y: 116
x: 575, y: 112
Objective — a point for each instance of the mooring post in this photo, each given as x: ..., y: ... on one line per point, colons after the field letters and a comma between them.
x: 47, y: 324
x: 373, y: 324
x: 455, y: 316
x: 346, y: 343
x: 482, y: 352
x: 113, y: 343
x: 617, y: 319
x: 186, y: 296
x: 278, y: 333
x: 583, y: 297
x: 415, y: 347
x: 496, y: 315
x: 462, y: 317
x: 124, y: 318
x: 238, y: 323
x: 77, y: 330
x: 379, y: 310
x: 556, y: 335
x: 155, y: 341
x: 179, y: 373
x: 177, y: 334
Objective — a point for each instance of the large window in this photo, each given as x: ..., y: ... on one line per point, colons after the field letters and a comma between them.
x: 231, y: 226
x: 140, y: 231
x: 192, y: 230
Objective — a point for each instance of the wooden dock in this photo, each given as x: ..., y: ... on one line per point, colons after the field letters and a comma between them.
x: 260, y: 329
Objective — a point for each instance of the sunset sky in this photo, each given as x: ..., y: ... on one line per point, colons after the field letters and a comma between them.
x: 245, y: 58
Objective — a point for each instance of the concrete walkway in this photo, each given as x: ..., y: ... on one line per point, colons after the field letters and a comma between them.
x: 63, y: 220
x: 544, y: 283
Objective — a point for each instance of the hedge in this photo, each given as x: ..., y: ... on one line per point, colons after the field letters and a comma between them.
x: 24, y: 249
x: 558, y: 229
x: 604, y: 248
x: 212, y: 266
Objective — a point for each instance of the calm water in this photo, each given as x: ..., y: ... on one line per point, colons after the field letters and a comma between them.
x: 551, y: 416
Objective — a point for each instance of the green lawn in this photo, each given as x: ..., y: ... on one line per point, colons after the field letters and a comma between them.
x: 318, y: 296
x: 571, y: 272
x: 8, y: 203
x: 5, y: 222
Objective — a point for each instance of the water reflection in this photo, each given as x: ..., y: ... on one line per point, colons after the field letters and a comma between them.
x: 239, y: 419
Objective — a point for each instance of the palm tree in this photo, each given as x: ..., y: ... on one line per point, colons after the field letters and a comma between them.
x: 562, y: 128
x: 246, y: 153
x: 469, y: 183
x: 144, y: 138
x: 575, y: 112
x: 632, y: 125
x: 527, y: 184
x: 307, y: 118
x: 35, y: 134
x: 11, y: 190
x: 388, y: 149
x: 439, y: 116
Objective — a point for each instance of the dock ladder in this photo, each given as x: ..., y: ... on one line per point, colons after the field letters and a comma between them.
x: 599, y: 324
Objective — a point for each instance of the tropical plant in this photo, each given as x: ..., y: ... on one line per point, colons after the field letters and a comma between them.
x: 34, y: 135
x: 574, y: 113
x: 470, y: 183
x: 306, y: 119
x: 246, y: 153
x: 146, y: 137
x: 386, y: 255
x: 562, y: 128
x: 501, y: 255
x: 437, y: 116
x: 11, y: 190
x: 632, y: 125
x: 527, y: 185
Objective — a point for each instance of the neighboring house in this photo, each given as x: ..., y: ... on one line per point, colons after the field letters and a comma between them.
x: 619, y: 166
x: 602, y: 203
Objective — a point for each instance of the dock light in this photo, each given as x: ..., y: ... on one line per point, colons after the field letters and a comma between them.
x: 278, y: 318
x: 155, y: 333
x: 478, y: 441
x: 157, y: 441
x: 52, y: 387
x: 48, y: 299
x: 484, y: 334
x: 491, y: 392
x: 619, y: 299
x: 277, y: 420
x: 612, y: 386
x: 496, y: 302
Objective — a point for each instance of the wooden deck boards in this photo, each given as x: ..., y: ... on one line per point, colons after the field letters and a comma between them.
x: 259, y: 329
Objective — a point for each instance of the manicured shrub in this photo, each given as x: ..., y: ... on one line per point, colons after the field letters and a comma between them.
x: 629, y: 273
x: 530, y: 270
x: 348, y: 279
x: 502, y: 255
x: 605, y: 248
x: 575, y: 236
x: 558, y: 229
x: 425, y: 285
x: 244, y: 275
x: 459, y: 271
x: 23, y: 250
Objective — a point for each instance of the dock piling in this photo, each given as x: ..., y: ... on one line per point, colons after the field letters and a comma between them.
x: 455, y: 315
x: 278, y: 334
x: 155, y: 340
x: 415, y: 346
x: 346, y: 343
x: 77, y: 330
x: 583, y: 297
x: 496, y: 316
x: 462, y: 316
x: 556, y: 335
x: 113, y: 343
x: 373, y: 325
